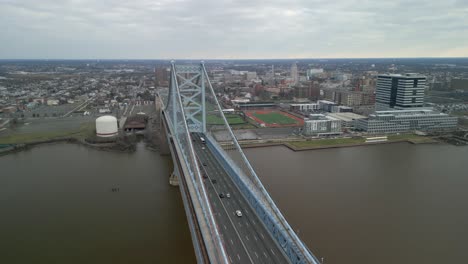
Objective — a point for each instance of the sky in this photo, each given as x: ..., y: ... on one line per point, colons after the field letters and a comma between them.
x: 222, y: 29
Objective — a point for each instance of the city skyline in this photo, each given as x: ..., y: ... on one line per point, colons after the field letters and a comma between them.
x: 232, y: 30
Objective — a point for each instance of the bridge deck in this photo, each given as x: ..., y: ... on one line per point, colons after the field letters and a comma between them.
x: 246, y: 239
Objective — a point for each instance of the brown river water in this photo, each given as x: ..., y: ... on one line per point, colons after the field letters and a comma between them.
x: 395, y: 203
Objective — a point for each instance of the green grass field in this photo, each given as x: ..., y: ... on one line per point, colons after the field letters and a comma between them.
x: 411, y: 137
x: 214, y: 119
x: 85, y: 130
x: 345, y: 141
x: 275, y: 118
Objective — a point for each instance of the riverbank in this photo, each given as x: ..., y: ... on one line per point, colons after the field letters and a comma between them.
x: 311, y: 144
x: 12, y: 148
x: 84, y: 130
x: 116, y: 146
x: 84, y: 135
x: 127, y: 143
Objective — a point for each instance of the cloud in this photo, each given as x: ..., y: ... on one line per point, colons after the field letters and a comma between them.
x: 149, y: 29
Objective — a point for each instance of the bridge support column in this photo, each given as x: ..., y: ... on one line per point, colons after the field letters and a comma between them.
x: 164, y: 144
x: 173, y: 179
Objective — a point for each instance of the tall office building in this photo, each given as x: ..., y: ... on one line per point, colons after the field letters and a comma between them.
x: 294, y: 74
x: 396, y: 91
x: 162, y: 76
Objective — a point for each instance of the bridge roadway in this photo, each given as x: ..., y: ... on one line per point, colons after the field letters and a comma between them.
x: 246, y: 239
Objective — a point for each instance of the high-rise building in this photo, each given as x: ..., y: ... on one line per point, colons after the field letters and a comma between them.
x: 162, y: 76
x: 294, y: 74
x: 400, y: 91
x: 312, y: 91
x: 311, y: 73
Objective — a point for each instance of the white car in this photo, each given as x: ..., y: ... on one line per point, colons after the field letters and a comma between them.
x: 228, y: 195
x: 238, y: 213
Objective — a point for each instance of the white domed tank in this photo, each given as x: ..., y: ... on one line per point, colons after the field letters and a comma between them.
x: 106, y: 126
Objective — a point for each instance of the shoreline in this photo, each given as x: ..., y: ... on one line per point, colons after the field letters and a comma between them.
x: 113, y: 147
x: 295, y: 148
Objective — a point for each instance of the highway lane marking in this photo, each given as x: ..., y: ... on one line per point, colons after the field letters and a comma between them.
x: 254, y: 222
x: 240, y: 224
x: 230, y: 259
x: 255, y: 238
x: 262, y: 235
x: 247, y: 223
x: 272, y: 251
x: 224, y: 227
x: 265, y: 254
x: 256, y: 253
x: 231, y: 220
x: 247, y: 237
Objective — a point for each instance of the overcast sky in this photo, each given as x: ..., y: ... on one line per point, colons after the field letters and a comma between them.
x: 166, y: 29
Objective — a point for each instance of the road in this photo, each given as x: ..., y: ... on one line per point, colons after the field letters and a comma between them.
x: 246, y: 238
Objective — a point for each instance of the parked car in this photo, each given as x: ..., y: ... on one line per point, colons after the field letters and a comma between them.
x: 238, y: 213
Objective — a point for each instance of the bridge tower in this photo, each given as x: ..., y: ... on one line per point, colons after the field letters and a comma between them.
x: 188, y: 106
x: 191, y: 88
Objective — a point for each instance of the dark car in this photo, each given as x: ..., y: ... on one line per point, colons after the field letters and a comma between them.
x: 213, y: 181
x: 204, y: 164
x: 221, y: 195
x: 204, y: 176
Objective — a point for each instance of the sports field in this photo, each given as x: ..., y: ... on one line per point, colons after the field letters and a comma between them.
x: 232, y: 119
x: 273, y: 118
x: 215, y: 119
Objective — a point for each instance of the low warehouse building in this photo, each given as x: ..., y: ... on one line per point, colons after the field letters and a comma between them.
x: 136, y: 123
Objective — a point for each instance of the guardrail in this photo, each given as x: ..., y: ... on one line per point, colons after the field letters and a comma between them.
x: 258, y: 197
x: 176, y: 119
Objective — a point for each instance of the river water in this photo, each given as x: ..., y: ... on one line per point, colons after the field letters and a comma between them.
x: 396, y: 203
x: 57, y: 206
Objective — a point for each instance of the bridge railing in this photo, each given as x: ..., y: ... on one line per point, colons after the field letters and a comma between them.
x: 176, y: 119
x: 229, y: 152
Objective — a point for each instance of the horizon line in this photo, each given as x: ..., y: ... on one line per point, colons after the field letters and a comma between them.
x: 222, y: 59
